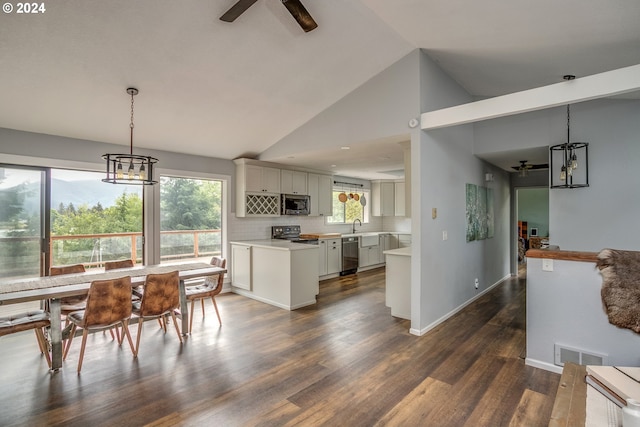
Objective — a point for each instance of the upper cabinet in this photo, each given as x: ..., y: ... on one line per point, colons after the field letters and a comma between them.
x: 293, y: 182
x: 387, y: 198
x: 320, y: 191
x: 262, y: 179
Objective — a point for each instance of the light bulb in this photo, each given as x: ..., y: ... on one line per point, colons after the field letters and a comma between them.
x: 563, y: 173
x: 143, y: 172
x: 119, y: 173
x: 131, y: 170
x: 569, y: 171
x: 574, y: 161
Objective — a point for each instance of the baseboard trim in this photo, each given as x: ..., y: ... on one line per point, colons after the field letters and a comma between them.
x: 543, y: 365
x: 432, y: 325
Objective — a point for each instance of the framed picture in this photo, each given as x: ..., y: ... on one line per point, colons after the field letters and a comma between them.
x: 534, y: 232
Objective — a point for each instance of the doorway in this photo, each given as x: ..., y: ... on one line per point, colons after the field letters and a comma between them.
x: 532, y: 219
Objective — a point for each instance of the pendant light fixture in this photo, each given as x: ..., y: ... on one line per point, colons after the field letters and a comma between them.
x: 569, y: 162
x: 139, y: 168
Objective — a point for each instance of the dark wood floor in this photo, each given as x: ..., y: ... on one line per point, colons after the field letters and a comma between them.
x: 344, y: 362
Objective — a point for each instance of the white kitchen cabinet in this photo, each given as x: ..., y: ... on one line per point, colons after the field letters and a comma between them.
x: 257, y: 190
x: 330, y: 259
x: 368, y: 256
x: 383, y: 198
x: 321, y: 193
x: 260, y: 179
x: 388, y: 241
x: 404, y: 240
x: 399, y: 199
x: 293, y: 182
x: 241, y: 266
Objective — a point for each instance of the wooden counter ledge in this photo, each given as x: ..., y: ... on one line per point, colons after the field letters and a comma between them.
x: 563, y: 255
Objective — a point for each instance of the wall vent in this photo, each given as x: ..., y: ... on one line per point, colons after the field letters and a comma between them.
x: 578, y: 356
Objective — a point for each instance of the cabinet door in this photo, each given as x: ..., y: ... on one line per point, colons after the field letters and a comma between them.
x: 387, y: 207
x: 241, y: 266
x: 299, y: 184
x: 322, y: 257
x: 399, y: 199
x: 325, y: 195
x: 271, y: 178
x: 334, y: 256
x: 253, y: 178
x: 313, y: 182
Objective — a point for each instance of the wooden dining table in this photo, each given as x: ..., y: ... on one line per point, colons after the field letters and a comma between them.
x: 53, y: 288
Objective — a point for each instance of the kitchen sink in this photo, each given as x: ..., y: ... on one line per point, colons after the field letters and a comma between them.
x: 368, y: 239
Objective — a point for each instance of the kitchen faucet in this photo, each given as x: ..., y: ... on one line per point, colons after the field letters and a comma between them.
x: 354, y: 224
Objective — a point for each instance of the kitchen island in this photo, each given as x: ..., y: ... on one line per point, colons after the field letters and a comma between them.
x: 276, y: 272
x: 398, y: 282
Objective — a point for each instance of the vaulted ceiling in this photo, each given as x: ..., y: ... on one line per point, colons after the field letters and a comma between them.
x: 233, y: 89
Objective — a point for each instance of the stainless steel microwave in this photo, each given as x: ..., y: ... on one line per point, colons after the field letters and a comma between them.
x: 295, y: 204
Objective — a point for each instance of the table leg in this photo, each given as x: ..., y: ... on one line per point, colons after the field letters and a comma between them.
x: 184, y: 311
x: 56, y: 334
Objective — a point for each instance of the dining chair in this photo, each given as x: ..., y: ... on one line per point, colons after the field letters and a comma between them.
x: 121, y: 263
x: 161, y: 296
x: 69, y: 304
x: 108, y: 305
x: 209, y: 289
x: 36, y: 320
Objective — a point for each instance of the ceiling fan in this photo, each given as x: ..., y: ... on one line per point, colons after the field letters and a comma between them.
x: 295, y: 8
x: 524, y: 167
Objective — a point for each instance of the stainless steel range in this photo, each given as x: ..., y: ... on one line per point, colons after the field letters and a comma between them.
x: 290, y: 233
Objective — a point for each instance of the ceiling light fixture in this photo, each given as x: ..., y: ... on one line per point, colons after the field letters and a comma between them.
x: 140, y: 168
x: 569, y: 156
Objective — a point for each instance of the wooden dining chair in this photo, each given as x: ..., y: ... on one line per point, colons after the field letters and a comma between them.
x: 121, y: 263
x: 209, y: 289
x: 161, y: 297
x: 69, y: 304
x: 108, y: 305
x: 36, y: 320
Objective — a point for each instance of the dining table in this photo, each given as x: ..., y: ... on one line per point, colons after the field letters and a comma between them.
x: 53, y: 288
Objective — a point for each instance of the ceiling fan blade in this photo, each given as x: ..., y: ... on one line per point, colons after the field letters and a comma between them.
x: 236, y: 10
x: 298, y: 11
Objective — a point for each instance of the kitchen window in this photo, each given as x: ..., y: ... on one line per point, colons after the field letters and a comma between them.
x: 351, y: 209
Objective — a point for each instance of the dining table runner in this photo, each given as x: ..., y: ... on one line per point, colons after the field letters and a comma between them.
x: 18, y: 285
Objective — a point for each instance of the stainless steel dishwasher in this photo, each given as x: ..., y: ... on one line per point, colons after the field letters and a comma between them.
x: 349, y: 255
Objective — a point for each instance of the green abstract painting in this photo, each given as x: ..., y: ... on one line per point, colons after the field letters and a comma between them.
x: 479, y: 205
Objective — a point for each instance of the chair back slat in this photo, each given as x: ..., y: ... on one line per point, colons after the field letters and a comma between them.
x: 108, y: 302
x: 161, y: 294
x: 66, y: 269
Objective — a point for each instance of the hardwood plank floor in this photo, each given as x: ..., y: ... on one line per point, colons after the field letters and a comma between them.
x: 343, y: 362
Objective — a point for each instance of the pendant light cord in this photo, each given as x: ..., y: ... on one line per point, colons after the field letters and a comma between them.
x: 131, y: 126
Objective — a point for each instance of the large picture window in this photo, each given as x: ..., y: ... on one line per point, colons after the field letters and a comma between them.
x: 350, y: 210
x: 190, y: 219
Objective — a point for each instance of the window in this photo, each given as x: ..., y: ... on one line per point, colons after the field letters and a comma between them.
x: 190, y: 219
x: 349, y: 211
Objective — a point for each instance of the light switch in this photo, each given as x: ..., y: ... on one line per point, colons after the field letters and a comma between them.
x: 547, y: 264
x: 434, y: 213
x: 444, y: 235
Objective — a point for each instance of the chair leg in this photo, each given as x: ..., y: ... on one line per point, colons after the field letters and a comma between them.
x: 85, y: 332
x: 160, y: 323
x: 43, y: 345
x: 125, y: 330
x: 175, y: 323
x: 216, y: 307
x: 193, y: 303
x: 202, y: 303
x: 72, y: 333
x: 140, y: 322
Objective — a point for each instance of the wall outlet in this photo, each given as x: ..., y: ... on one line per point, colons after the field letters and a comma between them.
x: 547, y: 264
x: 477, y: 283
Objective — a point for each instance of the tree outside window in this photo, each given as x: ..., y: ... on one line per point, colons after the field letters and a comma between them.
x: 349, y: 211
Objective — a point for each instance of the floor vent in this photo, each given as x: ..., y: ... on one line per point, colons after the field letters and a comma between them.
x: 578, y: 356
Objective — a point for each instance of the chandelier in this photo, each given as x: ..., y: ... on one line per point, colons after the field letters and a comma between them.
x: 139, y: 168
x: 569, y: 162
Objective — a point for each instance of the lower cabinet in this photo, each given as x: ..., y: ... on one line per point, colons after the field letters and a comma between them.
x: 368, y: 256
x: 241, y: 266
x: 387, y: 242
x: 330, y: 257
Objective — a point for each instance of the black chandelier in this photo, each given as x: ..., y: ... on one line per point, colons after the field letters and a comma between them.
x: 569, y: 162
x: 140, y: 168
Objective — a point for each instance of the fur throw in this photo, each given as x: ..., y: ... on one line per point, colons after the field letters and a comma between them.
x: 621, y: 287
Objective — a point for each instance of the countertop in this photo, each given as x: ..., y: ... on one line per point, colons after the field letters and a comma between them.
x: 283, y: 245
x: 400, y: 251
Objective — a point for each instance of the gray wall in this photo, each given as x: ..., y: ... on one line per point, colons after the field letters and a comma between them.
x: 443, y: 161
